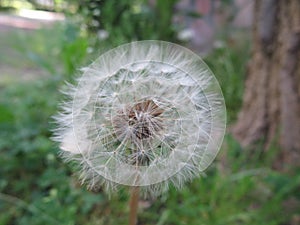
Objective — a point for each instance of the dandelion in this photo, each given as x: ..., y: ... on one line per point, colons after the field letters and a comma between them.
x: 145, y: 114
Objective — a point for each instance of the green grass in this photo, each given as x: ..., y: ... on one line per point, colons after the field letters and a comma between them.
x: 57, y: 51
x: 37, y: 188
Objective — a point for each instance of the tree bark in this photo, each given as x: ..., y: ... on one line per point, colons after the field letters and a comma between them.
x: 271, y: 104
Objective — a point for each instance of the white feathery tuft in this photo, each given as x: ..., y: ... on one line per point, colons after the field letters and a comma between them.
x: 147, y: 114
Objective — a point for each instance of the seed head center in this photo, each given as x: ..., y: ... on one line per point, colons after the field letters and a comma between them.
x: 140, y: 121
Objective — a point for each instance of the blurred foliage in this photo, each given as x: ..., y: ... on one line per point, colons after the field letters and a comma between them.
x: 60, y: 55
x: 35, y: 187
x: 228, y: 63
x: 11, y: 5
x: 47, y: 5
x: 127, y: 20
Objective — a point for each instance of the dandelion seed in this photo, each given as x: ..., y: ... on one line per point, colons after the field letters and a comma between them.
x: 144, y: 114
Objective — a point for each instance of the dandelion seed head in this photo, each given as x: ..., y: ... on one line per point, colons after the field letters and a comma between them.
x: 144, y: 114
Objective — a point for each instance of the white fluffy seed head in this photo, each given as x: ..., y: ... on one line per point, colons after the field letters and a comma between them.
x: 144, y: 114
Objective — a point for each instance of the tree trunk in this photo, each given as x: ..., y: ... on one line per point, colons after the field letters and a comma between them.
x: 271, y: 104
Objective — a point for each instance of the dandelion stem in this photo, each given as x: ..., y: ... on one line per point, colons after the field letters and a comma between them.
x: 133, y: 204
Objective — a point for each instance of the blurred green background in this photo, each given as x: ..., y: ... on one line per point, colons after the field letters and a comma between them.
x: 40, y: 50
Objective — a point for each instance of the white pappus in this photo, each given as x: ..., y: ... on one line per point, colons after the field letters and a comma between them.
x: 147, y: 113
